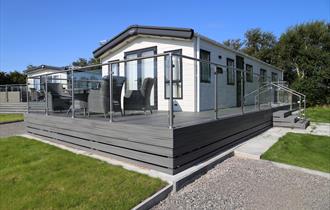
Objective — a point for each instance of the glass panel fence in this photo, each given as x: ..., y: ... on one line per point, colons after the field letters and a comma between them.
x: 36, y: 94
x: 12, y: 93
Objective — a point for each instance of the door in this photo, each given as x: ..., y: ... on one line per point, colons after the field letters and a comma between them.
x: 239, y: 80
x: 136, y: 71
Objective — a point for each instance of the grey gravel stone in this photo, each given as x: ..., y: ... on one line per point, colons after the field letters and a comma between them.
x: 11, y: 129
x: 252, y: 184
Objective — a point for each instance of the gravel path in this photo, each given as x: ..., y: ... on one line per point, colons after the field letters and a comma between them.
x: 10, y: 129
x: 252, y: 184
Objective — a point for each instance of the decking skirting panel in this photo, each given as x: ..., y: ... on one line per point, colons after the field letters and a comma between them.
x: 159, y: 148
x: 148, y: 146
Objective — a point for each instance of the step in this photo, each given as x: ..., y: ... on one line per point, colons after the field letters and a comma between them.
x: 288, y: 119
x: 301, y: 124
x: 282, y: 113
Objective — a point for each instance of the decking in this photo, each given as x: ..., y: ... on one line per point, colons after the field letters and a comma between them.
x: 146, y: 140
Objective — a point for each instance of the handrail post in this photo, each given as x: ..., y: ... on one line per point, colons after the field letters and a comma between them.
x: 170, y: 102
x: 300, y: 107
x: 6, y: 93
x: 110, y: 92
x: 27, y: 94
x: 215, y: 93
x: 46, y: 95
x: 258, y: 93
x: 304, y: 106
x: 242, y: 89
x: 72, y: 95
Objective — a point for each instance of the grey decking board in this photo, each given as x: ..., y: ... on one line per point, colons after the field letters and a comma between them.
x: 114, y: 130
x: 145, y: 157
x: 215, y: 152
x: 161, y: 150
x: 200, y: 152
x: 139, y: 163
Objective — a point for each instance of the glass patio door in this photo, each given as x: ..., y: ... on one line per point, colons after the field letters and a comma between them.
x: 132, y: 73
x: 136, y: 71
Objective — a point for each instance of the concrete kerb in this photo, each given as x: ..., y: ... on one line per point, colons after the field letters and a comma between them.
x: 2, y: 123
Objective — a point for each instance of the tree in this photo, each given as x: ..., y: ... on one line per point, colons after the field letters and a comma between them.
x: 235, y: 44
x: 81, y: 62
x: 304, y: 53
x: 260, y: 44
x: 14, y: 77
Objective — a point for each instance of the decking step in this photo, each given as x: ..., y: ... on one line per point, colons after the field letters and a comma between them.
x: 302, y: 124
x: 289, y: 119
x: 282, y: 113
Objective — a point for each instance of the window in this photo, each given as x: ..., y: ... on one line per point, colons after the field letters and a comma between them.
x: 230, y: 72
x: 177, y: 75
x: 263, y: 75
x: 274, y: 77
x: 249, y: 73
x: 205, y: 68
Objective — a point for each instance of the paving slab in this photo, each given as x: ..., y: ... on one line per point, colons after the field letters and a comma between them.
x: 258, y: 145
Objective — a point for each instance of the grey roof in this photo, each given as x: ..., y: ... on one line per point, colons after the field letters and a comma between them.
x: 133, y: 30
x: 41, y: 67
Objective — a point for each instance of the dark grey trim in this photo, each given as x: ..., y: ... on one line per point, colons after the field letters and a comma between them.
x: 178, y: 51
x: 183, y: 33
x: 42, y: 67
x: 138, y: 52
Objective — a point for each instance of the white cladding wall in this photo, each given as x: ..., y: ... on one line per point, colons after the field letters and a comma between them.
x: 163, y: 45
x: 227, y: 93
x: 33, y: 82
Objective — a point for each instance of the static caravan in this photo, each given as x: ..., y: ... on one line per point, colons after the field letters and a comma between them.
x: 193, y: 82
x: 203, y: 98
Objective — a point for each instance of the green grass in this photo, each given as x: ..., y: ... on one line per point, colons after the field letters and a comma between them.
x: 11, y: 117
x: 319, y: 114
x: 34, y: 175
x: 303, y: 150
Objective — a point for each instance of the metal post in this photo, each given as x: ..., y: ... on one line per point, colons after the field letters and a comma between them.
x: 270, y: 95
x: 259, y: 93
x: 27, y: 94
x: 6, y: 93
x: 170, y: 102
x: 290, y: 101
x: 304, y: 106
x: 72, y: 94
x: 242, y: 89
x: 215, y: 93
x: 299, y: 106
x: 46, y: 95
x: 110, y: 92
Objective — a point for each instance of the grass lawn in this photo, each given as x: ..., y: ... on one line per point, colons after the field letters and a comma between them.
x: 304, y: 150
x: 34, y: 175
x: 319, y: 114
x: 11, y: 117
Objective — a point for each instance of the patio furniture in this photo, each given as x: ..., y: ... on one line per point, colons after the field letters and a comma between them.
x: 139, y: 99
x: 58, y: 99
x: 80, y: 102
x: 99, y: 100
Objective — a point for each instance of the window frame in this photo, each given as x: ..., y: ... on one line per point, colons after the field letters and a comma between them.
x: 274, y: 73
x: 177, y: 51
x: 201, y: 64
x: 247, y: 66
x: 233, y: 71
x: 263, y: 77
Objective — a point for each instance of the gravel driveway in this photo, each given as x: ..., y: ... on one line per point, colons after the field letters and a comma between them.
x: 10, y: 129
x: 252, y: 184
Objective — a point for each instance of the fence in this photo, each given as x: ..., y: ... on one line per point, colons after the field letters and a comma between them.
x: 175, y: 88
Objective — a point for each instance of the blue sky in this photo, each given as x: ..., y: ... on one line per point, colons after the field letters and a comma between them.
x: 60, y: 31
